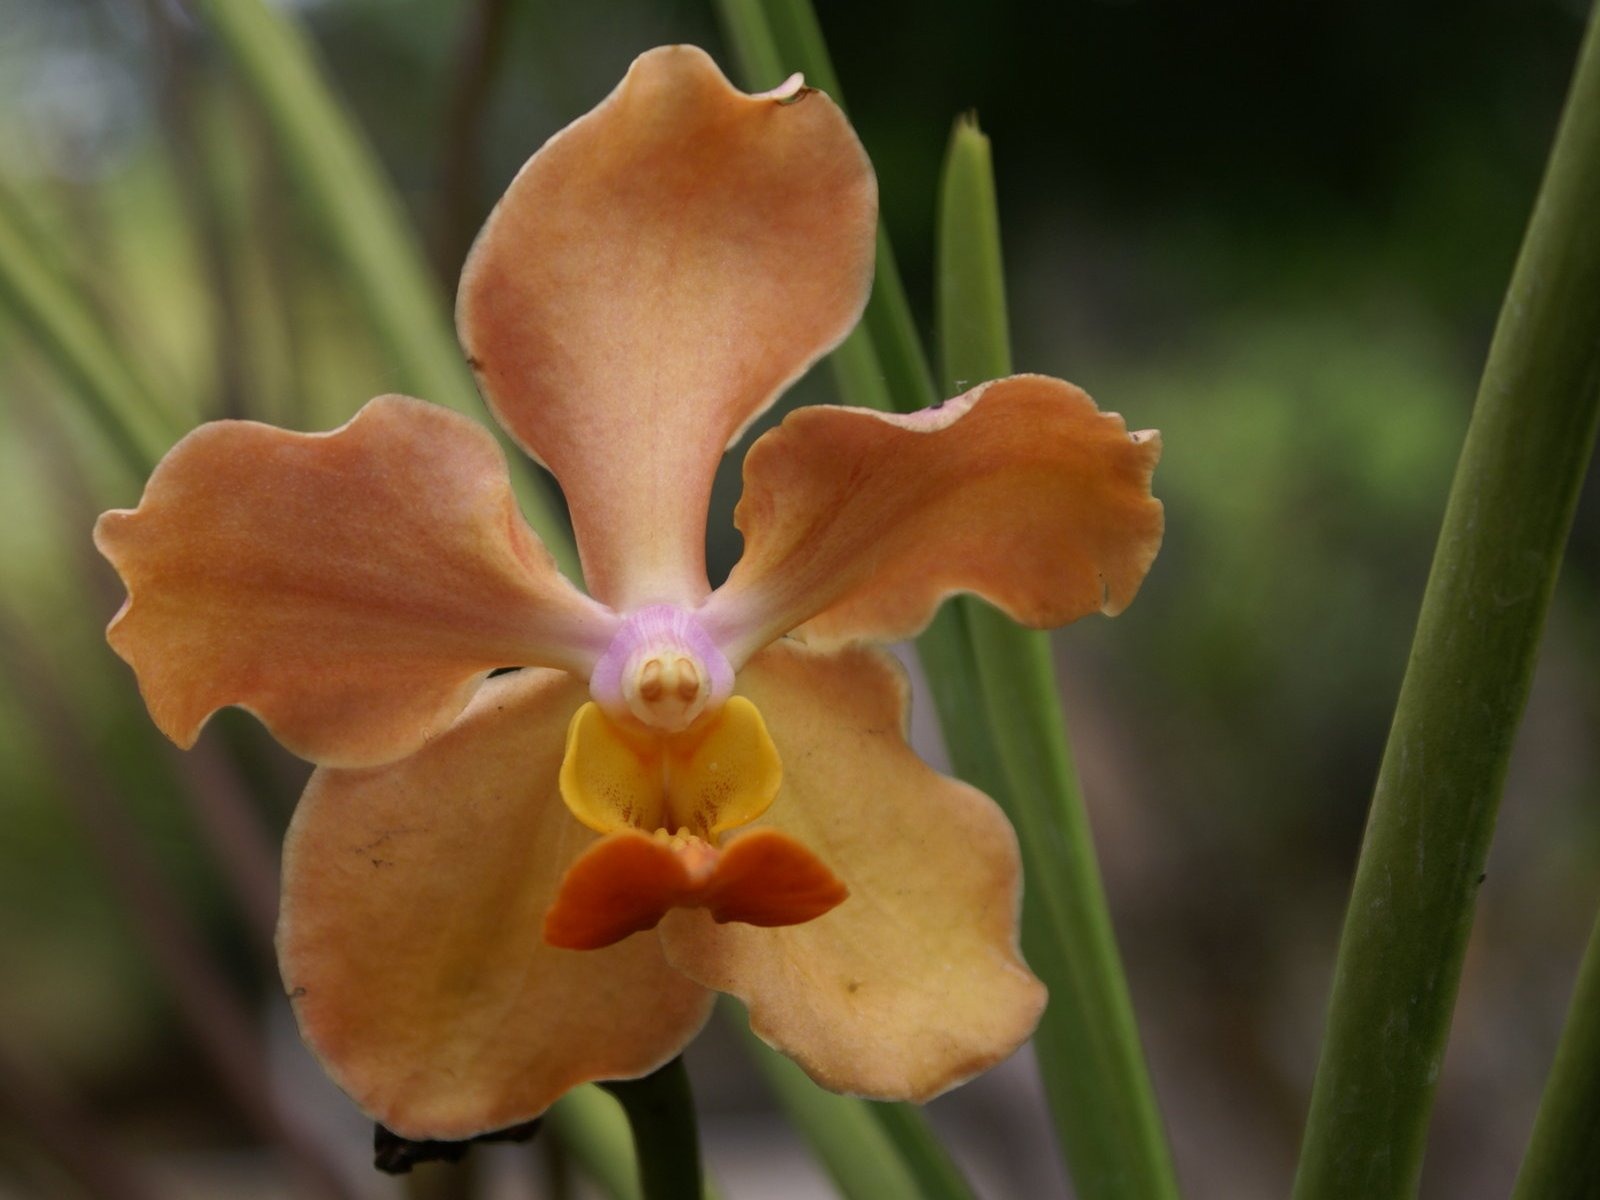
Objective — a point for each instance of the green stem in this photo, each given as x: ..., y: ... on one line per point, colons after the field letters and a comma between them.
x: 936, y: 1173
x: 1088, y: 1044
x: 1563, y: 1158
x: 900, y: 1157
x: 858, y: 1153
x: 592, y: 1127
x: 1433, y: 811
x: 660, y: 1111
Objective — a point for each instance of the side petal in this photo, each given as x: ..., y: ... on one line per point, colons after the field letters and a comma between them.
x: 410, y: 937
x: 350, y: 588
x: 651, y: 280
x: 913, y: 983
x: 857, y: 524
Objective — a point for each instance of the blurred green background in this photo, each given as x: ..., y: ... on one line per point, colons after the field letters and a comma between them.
x: 1278, y: 234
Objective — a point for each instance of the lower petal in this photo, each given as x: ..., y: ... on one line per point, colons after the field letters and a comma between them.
x: 624, y: 884
x: 411, y: 932
x: 629, y: 880
x: 914, y: 983
x: 765, y: 877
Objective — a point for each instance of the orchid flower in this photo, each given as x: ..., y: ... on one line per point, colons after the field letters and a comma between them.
x: 499, y: 885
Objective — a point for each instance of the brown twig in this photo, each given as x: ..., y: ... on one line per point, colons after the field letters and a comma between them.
x: 37, y: 1104
x: 234, y: 833
x: 220, y: 1024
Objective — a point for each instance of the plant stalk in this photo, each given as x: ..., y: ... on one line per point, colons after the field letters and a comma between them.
x: 660, y: 1111
x: 1088, y: 1043
x: 1467, y: 681
x: 1563, y: 1159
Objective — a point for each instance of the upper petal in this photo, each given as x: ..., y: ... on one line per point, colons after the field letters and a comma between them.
x: 411, y: 937
x: 913, y: 983
x: 351, y: 588
x: 857, y: 524
x: 653, y: 277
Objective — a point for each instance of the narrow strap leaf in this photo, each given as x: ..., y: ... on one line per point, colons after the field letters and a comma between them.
x: 858, y: 1153
x: 1511, y: 505
x: 104, y: 380
x: 1088, y: 1043
x: 881, y: 364
x: 1564, y: 1154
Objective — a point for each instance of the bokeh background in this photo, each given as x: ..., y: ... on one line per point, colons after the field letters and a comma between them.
x: 1279, y: 233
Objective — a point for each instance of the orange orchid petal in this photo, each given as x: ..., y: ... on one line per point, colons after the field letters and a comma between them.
x: 765, y: 877
x: 651, y: 280
x: 857, y: 524
x: 350, y: 588
x: 913, y: 983
x: 411, y: 931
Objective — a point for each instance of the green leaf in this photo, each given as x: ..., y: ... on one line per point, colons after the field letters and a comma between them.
x: 974, y: 333
x: 1088, y: 1043
x: 881, y: 364
x: 859, y: 1153
x: 104, y: 380
x: 1564, y: 1154
x: 366, y: 225
x: 594, y: 1129
x: 1510, y: 508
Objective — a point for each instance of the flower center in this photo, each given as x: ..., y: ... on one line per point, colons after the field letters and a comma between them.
x: 662, y: 762
x: 666, y: 689
x: 663, y: 670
